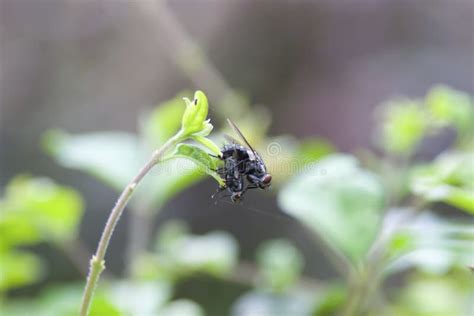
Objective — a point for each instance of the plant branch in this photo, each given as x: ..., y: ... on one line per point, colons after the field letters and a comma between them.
x: 97, y: 263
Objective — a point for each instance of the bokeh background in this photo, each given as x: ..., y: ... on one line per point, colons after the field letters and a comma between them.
x: 318, y: 68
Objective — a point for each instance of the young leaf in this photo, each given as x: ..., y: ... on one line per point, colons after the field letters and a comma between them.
x: 201, y: 158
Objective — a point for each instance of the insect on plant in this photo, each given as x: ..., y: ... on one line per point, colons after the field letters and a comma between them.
x: 243, y: 169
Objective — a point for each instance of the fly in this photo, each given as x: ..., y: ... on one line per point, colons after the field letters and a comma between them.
x: 243, y: 168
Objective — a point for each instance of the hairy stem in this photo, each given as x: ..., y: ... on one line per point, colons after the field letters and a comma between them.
x: 97, y: 263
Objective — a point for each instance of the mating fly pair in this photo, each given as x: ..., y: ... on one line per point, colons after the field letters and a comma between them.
x: 243, y: 168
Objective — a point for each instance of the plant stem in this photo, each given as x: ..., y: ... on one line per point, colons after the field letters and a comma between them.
x: 97, y: 263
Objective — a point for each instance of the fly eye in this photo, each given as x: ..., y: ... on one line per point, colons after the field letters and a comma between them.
x: 267, y: 179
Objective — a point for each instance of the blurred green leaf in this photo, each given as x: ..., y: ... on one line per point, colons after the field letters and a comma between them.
x: 35, y: 209
x: 166, y: 180
x: 65, y: 301
x: 182, y: 307
x: 18, y: 269
x: 270, y: 304
x: 140, y: 298
x: 404, y: 124
x: 214, y: 253
x: 450, y: 178
x: 339, y: 201
x: 432, y: 244
x: 427, y: 295
x: 333, y: 298
x: 163, y: 122
x: 311, y: 150
x: 113, y: 157
x: 280, y: 264
x: 449, y: 106
x: 179, y: 254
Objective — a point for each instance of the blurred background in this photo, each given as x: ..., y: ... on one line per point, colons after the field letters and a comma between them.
x: 375, y: 94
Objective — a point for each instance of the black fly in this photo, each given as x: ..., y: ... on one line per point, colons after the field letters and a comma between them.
x: 243, y: 168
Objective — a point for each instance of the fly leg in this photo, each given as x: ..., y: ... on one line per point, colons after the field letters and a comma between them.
x: 250, y: 187
x: 218, y: 191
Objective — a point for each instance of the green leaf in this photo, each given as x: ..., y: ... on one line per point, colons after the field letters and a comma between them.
x: 432, y: 244
x: 433, y: 295
x: 140, y: 298
x: 209, y: 144
x: 331, y: 301
x: 18, y: 269
x: 404, y: 125
x: 163, y: 122
x: 182, y: 307
x: 179, y: 254
x: 280, y: 264
x: 113, y: 157
x: 339, y: 201
x: 448, y: 179
x: 202, y: 159
x: 165, y: 180
x: 450, y: 106
x: 37, y: 209
x: 270, y: 304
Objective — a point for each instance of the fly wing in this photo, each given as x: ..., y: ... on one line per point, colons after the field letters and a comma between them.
x: 241, y: 136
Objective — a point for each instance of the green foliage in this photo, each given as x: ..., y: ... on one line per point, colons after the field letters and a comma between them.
x: 339, y: 201
x: 433, y: 295
x: 115, y: 157
x: 139, y: 298
x: 182, y: 307
x: 450, y: 107
x: 271, y: 304
x: 331, y: 301
x: 33, y: 210
x: 60, y: 301
x: 432, y: 245
x: 450, y: 179
x: 200, y: 158
x: 179, y: 254
x: 280, y: 264
x: 18, y: 269
x: 405, y: 122
x: 115, y: 299
x: 162, y: 122
x: 43, y: 209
